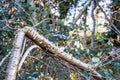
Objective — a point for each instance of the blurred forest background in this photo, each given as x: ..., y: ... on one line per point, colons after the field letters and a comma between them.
x: 85, y: 29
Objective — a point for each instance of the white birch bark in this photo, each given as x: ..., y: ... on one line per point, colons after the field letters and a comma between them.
x: 15, y: 56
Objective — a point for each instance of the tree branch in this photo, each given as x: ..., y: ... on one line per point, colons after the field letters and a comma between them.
x: 47, y: 47
x: 51, y: 49
x: 116, y: 30
x: 94, y: 24
x: 1, y: 62
x: 26, y: 54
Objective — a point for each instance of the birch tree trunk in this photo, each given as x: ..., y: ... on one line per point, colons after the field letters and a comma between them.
x: 46, y: 46
x: 15, y: 56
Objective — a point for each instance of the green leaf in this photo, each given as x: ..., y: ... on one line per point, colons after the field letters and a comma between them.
x: 77, y: 44
x: 110, y: 43
x: 72, y: 76
x: 31, y: 78
x: 44, y: 24
x: 60, y: 23
x: 52, y: 38
x: 106, y: 73
x: 22, y: 0
x: 32, y: 8
x: 40, y: 63
x: 62, y: 36
x: 95, y: 59
x: 35, y: 74
x: 23, y: 75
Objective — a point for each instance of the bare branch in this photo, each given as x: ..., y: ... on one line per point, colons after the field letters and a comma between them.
x: 116, y: 30
x: 6, y: 21
x: 46, y: 46
x: 109, y: 62
x: 26, y: 54
x: 94, y: 24
x: 1, y: 62
x: 42, y: 21
x: 31, y: 19
x: 51, y: 49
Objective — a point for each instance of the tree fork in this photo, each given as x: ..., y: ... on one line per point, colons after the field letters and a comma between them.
x: 51, y: 49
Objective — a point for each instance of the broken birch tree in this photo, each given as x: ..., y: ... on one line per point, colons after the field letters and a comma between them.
x: 46, y: 46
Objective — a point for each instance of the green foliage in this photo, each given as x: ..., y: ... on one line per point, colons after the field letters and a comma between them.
x: 64, y: 7
x: 115, y: 2
x: 39, y: 65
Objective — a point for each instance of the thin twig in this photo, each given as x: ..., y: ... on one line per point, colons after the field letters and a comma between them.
x: 110, y: 61
x: 69, y: 66
x: 26, y: 54
x: 42, y: 21
x: 25, y: 12
x: 7, y: 25
x: 23, y: 47
x: 1, y: 62
x: 116, y: 30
